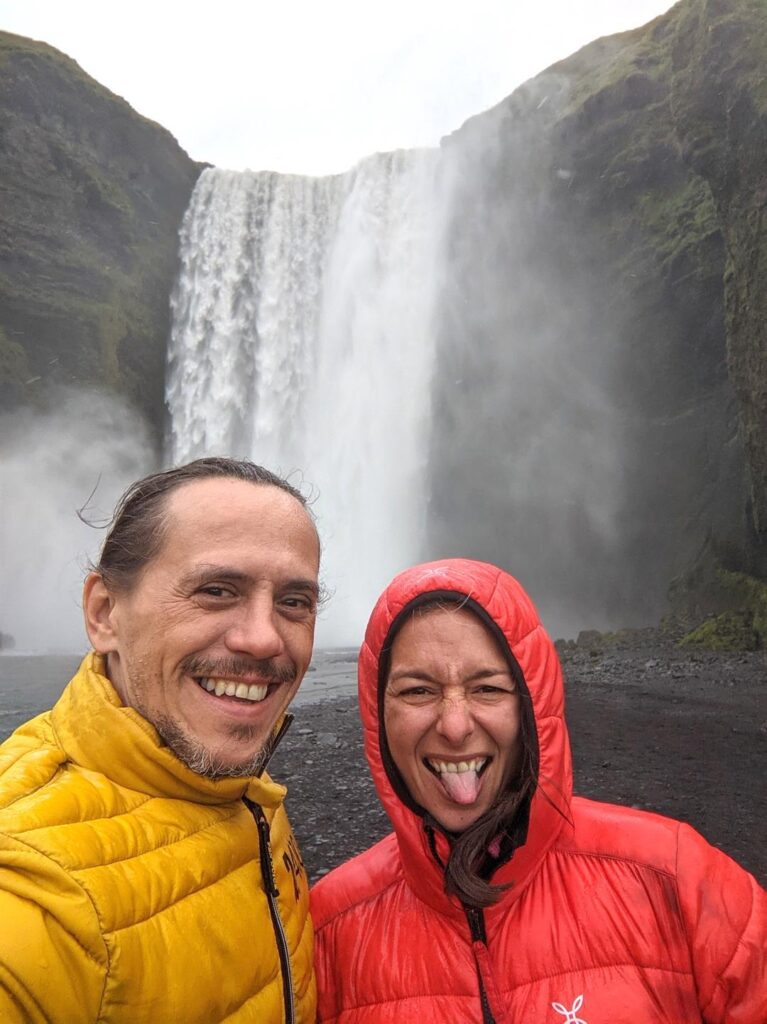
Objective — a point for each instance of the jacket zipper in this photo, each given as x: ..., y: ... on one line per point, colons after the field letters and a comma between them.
x: 272, y: 892
x: 476, y: 921
x: 478, y: 934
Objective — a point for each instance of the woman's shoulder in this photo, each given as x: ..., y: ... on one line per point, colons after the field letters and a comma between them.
x: 644, y: 839
x: 623, y: 833
x: 362, y: 879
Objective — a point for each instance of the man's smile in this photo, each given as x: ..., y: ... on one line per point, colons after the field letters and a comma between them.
x: 229, y: 688
x: 238, y: 680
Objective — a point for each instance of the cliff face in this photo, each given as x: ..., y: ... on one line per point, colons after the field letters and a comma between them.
x: 607, y: 263
x: 719, y: 103
x: 92, y: 197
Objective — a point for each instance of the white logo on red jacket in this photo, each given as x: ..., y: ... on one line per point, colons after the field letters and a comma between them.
x: 571, y: 1016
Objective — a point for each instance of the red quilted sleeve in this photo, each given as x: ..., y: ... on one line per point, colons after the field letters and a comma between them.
x: 725, y: 912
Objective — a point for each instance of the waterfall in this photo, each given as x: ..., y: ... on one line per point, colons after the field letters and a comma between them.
x: 303, y: 337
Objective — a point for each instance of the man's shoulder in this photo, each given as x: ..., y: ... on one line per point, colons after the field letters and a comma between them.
x: 360, y: 880
x: 29, y: 759
x: 41, y: 789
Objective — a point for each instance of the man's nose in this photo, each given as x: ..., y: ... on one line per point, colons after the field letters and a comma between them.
x: 254, y: 631
x: 455, y: 722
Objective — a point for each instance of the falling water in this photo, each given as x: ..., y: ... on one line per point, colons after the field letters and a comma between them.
x: 303, y: 337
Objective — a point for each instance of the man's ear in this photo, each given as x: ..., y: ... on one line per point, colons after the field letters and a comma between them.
x: 98, y: 607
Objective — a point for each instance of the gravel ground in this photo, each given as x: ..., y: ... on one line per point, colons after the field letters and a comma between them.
x: 652, y: 725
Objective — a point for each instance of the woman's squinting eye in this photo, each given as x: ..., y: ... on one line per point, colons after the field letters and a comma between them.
x: 497, y: 690
x: 413, y: 692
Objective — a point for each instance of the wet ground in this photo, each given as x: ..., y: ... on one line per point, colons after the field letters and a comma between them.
x: 652, y: 725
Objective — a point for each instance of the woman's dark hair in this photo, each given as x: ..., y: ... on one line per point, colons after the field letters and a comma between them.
x: 139, y: 523
x: 504, y: 824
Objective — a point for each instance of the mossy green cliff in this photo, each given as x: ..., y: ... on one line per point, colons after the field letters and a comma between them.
x: 92, y: 197
x: 611, y: 214
x: 719, y: 103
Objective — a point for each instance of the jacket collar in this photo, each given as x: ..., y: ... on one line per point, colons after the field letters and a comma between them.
x: 510, y: 608
x: 98, y: 733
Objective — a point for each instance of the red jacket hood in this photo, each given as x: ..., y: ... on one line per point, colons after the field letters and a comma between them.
x: 504, y: 600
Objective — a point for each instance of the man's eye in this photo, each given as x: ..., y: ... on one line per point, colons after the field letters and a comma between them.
x: 214, y: 591
x: 298, y: 602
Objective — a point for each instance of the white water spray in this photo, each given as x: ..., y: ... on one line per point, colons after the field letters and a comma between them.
x: 79, y: 455
x: 303, y: 337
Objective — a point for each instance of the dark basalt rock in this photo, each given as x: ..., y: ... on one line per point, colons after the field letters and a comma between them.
x: 719, y: 96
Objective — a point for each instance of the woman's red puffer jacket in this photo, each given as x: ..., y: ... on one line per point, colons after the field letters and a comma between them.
x: 614, y: 916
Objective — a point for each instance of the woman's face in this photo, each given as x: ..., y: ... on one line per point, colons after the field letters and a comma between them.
x: 451, y: 714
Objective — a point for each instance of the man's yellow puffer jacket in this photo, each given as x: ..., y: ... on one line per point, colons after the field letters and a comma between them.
x: 131, y: 889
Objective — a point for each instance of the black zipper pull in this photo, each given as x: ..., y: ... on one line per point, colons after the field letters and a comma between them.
x: 476, y: 925
x: 264, y: 847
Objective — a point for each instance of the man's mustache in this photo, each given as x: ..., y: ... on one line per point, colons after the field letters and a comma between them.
x: 266, y: 669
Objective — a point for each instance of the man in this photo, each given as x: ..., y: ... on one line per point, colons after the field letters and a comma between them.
x: 147, y: 867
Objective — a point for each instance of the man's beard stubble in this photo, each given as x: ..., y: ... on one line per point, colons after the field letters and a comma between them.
x: 191, y: 752
x: 202, y: 762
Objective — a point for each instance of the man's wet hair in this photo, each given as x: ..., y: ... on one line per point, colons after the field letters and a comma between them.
x: 138, y: 527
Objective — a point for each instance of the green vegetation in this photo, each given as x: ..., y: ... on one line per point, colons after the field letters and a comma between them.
x: 740, y: 627
x: 730, y: 631
x: 93, y: 198
x: 678, y: 220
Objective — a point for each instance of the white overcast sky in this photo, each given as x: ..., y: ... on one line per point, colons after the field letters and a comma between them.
x: 311, y: 87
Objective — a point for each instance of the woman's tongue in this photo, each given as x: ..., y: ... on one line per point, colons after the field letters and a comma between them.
x: 462, y: 787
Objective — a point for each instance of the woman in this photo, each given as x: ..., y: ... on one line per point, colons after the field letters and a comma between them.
x: 500, y: 897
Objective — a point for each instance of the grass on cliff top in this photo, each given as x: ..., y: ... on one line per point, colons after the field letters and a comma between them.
x: 743, y: 31
x: 612, y: 62
x: 724, y: 44
x: 12, y: 46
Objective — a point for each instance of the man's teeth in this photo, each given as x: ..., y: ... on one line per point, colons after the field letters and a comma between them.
x: 458, y: 766
x: 227, y: 688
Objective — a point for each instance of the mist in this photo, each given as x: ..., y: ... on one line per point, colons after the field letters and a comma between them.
x: 80, y: 455
x: 572, y: 431
x: 528, y: 440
